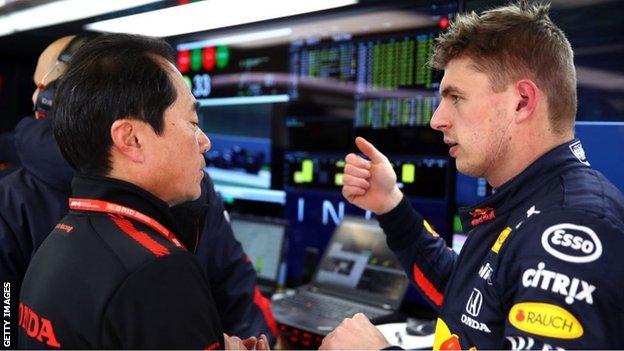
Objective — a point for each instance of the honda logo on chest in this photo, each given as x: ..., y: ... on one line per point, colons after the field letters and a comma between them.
x: 473, y: 307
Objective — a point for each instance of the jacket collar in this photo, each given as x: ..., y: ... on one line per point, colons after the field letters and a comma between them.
x: 515, y: 191
x: 125, y: 194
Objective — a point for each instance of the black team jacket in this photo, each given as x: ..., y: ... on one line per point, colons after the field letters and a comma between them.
x: 106, y: 278
x: 34, y: 198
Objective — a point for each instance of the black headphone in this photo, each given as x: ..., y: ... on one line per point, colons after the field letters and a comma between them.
x: 45, y: 98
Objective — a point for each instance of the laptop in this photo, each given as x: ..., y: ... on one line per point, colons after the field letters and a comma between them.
x: 358, y: 273
x: 264, y: 241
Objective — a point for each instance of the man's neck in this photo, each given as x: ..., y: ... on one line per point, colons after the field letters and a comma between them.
x: 522, y: 154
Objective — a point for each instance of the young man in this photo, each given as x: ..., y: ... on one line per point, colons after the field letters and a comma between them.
x: 115, y: 273
x: 542, y: 264
x: 35, y: 198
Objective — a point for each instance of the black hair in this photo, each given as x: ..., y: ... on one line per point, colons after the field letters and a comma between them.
x: 111, y: 77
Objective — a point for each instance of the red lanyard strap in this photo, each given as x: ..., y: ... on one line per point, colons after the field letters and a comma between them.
x: 109, y: 207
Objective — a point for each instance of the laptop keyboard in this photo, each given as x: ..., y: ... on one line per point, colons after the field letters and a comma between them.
x: 318, y: 306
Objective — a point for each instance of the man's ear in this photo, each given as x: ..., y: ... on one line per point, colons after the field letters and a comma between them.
x: 127, y: 140
x: 528, y: 95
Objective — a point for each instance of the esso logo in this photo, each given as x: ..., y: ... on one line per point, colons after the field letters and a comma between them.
x: 572, y: 243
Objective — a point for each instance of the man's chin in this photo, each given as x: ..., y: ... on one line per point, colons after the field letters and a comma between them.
x: 468, y: 169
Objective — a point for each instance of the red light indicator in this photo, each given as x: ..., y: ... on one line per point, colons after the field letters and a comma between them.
x: 184, y: 61
x: 444, y: 23
x: 209, y: 58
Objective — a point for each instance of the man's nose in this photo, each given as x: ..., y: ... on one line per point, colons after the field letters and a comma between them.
x: 204, y: 142
x: 439, y: 120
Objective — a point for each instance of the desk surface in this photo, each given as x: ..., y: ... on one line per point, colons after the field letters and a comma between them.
x: 395, y: 331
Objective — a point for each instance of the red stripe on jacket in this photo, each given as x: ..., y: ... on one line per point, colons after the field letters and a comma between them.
x: 427, y: 287
x: 141, y: 237
x: 265, y: 306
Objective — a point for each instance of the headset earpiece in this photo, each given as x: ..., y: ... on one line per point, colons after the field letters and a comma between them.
x: 45, y: 97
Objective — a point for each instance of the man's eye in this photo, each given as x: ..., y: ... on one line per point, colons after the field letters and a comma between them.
x: 455, y: 99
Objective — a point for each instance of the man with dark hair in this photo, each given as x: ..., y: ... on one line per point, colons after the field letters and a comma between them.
x: 35, y: 198
x: 116, y: 271
x: 542, y: 264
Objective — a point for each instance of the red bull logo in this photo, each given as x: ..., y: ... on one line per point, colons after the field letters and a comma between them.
x: 481, y: 215
x: 445, y: 340
x: 451, y: 343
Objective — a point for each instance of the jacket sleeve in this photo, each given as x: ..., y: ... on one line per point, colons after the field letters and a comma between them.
x: 165, y: 305
x: 244, y: 311
x: 424, y: 255
x: 562, y: 275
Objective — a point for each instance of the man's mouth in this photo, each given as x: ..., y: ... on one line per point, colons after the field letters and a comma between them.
x: 450, y: 143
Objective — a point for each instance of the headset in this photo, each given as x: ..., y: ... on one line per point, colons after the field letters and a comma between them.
x: 47, y: 92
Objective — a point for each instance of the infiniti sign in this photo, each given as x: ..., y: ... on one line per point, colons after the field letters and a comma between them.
x: 572, y: 243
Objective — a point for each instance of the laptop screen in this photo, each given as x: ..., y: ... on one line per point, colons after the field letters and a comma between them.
x: 358, y: 262
x: 263, y: 242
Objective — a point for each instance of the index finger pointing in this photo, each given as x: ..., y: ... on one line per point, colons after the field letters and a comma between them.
x: 369, y: 150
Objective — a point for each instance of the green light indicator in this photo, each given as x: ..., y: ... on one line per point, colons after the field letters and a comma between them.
x: 408, y: 172
x: 338, y: 179
x: 196, y: 59
x: 457, y: 226
x: 307, y: 167
x: 223, y: 56
x: 306, y: 172
x: 259, y: 264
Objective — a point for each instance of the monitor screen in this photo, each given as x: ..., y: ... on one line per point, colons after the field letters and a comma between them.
x: 417, y: 176
x: 263, y: 242
x: 358, y: 258
x: 240, y: 136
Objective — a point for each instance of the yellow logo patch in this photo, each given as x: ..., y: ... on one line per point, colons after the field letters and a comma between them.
x: 546, y: 320
x: 443, y: 339
x: 430, y: 229
x: 501, y: 239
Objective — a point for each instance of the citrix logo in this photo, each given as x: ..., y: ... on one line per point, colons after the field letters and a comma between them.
x: 559, y: 284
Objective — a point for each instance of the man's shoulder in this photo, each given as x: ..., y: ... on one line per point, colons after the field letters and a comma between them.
x: 17, y: 181
x: 132, y: 243
x: 588, y: 190
x: 584, y: 193
x: 28, y: 207
x: 22, y: 184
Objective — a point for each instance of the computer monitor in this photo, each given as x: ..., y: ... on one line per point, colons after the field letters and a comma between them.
x: 359, y: 262
x: 264, y: 241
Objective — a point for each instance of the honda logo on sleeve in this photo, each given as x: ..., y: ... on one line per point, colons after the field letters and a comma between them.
x: 473, y: 307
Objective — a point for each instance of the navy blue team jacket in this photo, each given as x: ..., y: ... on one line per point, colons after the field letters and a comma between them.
x: 542, y: 267
x: 35, y: 197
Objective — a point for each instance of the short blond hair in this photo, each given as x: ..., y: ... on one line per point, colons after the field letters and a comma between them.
x: 514, y: 42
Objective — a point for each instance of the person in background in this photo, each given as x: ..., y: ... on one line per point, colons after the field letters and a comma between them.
x: 542, y: 265
x: 9, y: 161
x: 35, y: 198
